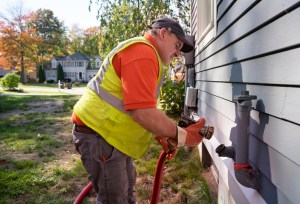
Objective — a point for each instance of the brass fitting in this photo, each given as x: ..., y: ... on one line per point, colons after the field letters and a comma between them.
x: 207, y: 131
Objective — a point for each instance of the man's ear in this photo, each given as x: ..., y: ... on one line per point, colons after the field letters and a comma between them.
x: 162, y: 32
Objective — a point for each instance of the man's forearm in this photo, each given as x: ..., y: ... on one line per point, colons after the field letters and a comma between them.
x: 155, y: 121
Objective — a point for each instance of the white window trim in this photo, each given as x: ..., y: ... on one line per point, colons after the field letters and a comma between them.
x: 210, y: 31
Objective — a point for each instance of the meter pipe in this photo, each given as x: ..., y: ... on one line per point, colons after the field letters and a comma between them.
x: 244, y: 173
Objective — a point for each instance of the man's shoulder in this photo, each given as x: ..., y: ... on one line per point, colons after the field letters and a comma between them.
x: 139, y: 50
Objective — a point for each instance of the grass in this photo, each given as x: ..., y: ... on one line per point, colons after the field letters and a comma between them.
x: 40, y: 89
x: 38, y: 163
x: 30, y: 147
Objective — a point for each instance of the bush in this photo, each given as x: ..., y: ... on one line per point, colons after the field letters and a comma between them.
x: 41, y: 75
x: 10, y: 81
x: 60, y: 72
x: 67, y: 80
x: 77, y: 84
x: 50, y: 81
x: 172, y: 99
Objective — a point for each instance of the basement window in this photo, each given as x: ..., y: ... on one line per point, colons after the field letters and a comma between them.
x: 206, y: 18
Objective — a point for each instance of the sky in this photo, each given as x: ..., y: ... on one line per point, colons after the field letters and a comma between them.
x: 70, y: 11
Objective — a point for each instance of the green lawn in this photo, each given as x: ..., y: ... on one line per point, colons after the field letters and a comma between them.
x: 38, y: 163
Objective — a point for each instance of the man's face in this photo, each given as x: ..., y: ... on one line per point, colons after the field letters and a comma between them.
x: 168, y: 46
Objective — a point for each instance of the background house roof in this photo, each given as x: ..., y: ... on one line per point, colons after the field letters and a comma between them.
x: 75, y: 57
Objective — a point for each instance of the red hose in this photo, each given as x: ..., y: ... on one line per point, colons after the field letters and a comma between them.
x: 158, y: 177
x: 83, y: 193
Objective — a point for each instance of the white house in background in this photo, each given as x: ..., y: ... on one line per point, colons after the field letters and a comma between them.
x: 76, y: 67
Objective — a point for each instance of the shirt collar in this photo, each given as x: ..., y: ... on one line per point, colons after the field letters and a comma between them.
x: 151, y: 40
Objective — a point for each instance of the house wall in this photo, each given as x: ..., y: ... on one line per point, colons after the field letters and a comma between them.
x: 90, y: 73
x: 256, y: 48
x: 51, y: 74
x: 74, y: 72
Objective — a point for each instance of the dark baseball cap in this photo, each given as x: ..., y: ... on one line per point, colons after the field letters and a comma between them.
x: 174, y: 27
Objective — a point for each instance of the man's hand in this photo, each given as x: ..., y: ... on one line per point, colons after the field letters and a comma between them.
x: 168, y: 146
x: 190, y: 136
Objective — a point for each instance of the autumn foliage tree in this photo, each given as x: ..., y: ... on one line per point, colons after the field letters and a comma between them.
x: 29, y: 38
x: 17, y: 41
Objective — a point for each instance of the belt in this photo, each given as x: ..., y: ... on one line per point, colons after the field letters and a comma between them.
x: 84, y: 129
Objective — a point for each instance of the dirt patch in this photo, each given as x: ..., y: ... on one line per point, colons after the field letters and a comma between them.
x: 36, y: 107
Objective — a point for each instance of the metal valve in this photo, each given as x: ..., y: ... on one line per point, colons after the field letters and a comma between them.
x: 206, y: 131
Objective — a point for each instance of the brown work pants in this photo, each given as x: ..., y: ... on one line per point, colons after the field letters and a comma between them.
x: 111, y: 172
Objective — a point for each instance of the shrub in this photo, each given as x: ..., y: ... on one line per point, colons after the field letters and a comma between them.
x: 41, y: 75
x: 10, y: 81
x: 60, y: 72
x: 50, y: 81
x: 172, y: 99
x: 77, y: 84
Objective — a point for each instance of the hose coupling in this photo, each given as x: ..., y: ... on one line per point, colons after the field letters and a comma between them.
x: 207, y: 131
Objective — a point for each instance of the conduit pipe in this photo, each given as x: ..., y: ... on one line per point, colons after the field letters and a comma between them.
x: 244, y: 173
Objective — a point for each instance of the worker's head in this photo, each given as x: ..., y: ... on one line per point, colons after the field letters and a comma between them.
x: 170, y: 38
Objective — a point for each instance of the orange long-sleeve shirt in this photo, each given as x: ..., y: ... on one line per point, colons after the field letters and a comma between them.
x: 137, y: 67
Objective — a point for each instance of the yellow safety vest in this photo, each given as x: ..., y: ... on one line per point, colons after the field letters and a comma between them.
x: 102, y: 108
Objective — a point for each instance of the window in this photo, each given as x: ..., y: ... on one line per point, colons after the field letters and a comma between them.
x: 67, y: 74
x: 54, y: 64
x: 80, y: 75
x: 206, y: 18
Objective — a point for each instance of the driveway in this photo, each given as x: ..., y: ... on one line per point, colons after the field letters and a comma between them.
x: 73, y: 90
x: 40, y: 90
x: 76, y: 91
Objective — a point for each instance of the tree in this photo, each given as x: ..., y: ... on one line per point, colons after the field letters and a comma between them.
x: 17, y: 41
x: 60, y: 72
x: 76, y: 38
x: 51, y: 31
x: 91, y: 41
x: 123, y: 19
x: 41, y: 74
x: 84, y: 41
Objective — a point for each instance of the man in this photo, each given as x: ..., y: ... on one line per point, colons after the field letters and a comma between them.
x: 115, y: 118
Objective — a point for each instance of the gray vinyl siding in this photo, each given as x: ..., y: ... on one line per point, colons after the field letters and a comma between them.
x: 256, y: 48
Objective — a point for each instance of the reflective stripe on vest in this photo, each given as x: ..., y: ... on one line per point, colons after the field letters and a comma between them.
x: 106, y: 96
x: 95, y: 83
